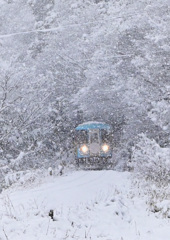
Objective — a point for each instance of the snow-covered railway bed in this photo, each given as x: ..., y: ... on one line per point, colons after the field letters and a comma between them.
x: 86, y: 204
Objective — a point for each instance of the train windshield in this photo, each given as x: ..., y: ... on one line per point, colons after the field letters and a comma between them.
x: 82, y: 136
x: 94, y: 137
x: 106, y: 136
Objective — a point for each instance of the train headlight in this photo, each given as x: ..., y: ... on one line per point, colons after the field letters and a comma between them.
x: 105, y: 148
x: 84, y: 149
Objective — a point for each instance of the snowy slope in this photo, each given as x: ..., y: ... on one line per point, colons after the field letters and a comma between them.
x: 87, y: 205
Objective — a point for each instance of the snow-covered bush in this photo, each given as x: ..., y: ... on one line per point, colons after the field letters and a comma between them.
x: 159, y: 201
x: 23, y: 177
x: 151, y: 161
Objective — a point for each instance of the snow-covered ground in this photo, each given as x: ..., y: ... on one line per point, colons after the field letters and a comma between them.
x: 87, y: 205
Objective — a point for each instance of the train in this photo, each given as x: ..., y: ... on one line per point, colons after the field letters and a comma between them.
x: 93, y: 144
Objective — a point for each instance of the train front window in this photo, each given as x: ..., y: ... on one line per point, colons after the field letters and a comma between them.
x: 105, y: 136
x: 94, y: 137
x: 82, y: 136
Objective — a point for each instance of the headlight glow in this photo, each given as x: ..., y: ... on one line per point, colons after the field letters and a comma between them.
x: 105, y: 148
x: 84, y: 149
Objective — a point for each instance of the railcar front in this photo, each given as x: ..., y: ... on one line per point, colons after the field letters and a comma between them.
x: 93, y: 144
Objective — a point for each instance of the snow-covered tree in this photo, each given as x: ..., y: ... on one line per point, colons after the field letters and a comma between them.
x: 108, y: 59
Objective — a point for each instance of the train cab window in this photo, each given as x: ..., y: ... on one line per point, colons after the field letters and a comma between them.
x: 94, y: 137
x: 82, y: 136
x: 105, y: 136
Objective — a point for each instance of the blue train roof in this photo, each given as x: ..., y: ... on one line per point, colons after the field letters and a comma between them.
x: 93, y: 125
